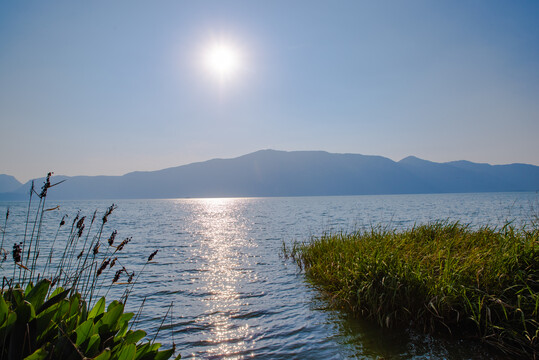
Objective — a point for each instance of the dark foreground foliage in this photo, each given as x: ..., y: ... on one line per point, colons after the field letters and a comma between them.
x: 33, y: 327
x: 440, y: 277
x: 51, y: 305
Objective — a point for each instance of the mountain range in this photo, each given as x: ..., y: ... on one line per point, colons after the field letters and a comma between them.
x: 296, y: 173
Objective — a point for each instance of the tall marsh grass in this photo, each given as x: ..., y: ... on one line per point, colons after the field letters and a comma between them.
x: 440, y: 277
x: 53, y: 305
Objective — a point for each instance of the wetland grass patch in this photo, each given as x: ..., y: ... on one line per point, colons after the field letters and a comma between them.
x: 441, y: 277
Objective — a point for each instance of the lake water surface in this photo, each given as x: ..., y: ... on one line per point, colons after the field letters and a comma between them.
x: 235, y: 296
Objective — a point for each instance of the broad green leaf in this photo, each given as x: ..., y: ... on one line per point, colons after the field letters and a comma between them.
x: 105, y: 355
x: 28, y: 288
x: 15, y: 296
x: 44, y: 323
x: 133, y: 337
x: 48, y: 333
x: 84, y: 331
x: 98, y: 309
x: 25, y: 312
x: 93, y: 344
x: 4, y: 310
x: 57, y: 291
x: 83, y: 310
x: 56, y: 297
x: 147, y: 351
x: 128, y: 352
x: 123, y: 325
x: 71, y: 323
x: 8, y: 325
x: 74, y: 306
x: 113, y: 304
x: 60, y: 311
x: 142, y: 351
x: 39, y: 354
x: 111, y: 317
x: 126, y: 317
x: 37, y: 295
x: 164, y: 355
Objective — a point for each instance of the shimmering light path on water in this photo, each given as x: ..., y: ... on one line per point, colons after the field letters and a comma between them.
x: 234, y: 295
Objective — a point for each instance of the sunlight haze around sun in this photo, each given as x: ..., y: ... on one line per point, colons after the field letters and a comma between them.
x: 222, y: 60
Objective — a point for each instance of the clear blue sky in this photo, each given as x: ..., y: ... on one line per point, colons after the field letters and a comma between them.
x: 109, y: 87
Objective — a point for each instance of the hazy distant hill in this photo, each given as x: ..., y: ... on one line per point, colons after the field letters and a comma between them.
x: 298, y: 173
x: 8, y: 183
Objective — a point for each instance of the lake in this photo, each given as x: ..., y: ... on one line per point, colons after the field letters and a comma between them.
x: 234, y: 295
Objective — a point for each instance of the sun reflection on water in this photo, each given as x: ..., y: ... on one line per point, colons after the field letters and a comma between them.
x: 223, y: 274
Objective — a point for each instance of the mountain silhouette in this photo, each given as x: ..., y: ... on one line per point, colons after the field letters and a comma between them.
x: 295, y: 173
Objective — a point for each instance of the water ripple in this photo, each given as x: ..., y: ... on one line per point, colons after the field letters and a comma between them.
x: 235, y: 297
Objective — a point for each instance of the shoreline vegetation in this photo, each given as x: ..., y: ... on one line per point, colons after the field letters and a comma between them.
x: 55, y: 307
x: 442, y: 277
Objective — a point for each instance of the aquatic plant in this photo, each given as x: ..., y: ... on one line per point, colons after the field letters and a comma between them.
x: 53, y: 308
x: 440, y: 277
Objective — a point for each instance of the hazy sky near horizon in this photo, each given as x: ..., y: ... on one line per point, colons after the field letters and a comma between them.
x: 109, y: 87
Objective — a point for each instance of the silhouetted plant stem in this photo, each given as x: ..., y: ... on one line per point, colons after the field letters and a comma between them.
x: 4, y: 229
x: 139, y: 311
x: 77, y: 233
x: 49, y: 260
x: 38, y: 236
x: 128, y: 290
x: 27, y: 222
x: 67, y: 248
x: 31, y: 239
x: 162, y: 322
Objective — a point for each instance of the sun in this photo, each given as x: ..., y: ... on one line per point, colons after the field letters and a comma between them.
x: 223, y: 60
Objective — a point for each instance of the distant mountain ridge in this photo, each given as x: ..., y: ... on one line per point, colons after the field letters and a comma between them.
x: 8, y: 183
x: 297, y: 173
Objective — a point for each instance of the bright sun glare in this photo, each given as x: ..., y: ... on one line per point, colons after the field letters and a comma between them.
x: 222, y: 60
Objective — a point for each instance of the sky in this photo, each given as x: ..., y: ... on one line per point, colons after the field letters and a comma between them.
x: 110, y: 87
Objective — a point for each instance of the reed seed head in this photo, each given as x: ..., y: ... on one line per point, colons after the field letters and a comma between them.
x: 46, y: 185
x: 113, y: 262
x: 131, y: 277
x: 123, y: 243
x: 80, y: 226
x: 108, y: 212
x: 112, y: 237
x: 103, y: 266
x: 118, y: 273
x: 17, y: 251
x: 152, y: 255
x: 80, y: 223
x: 96, y: 248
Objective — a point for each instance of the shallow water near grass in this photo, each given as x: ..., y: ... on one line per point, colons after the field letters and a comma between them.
x: 235, y: 296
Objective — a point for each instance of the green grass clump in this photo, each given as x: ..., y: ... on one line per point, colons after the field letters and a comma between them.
x: 440, y: 277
